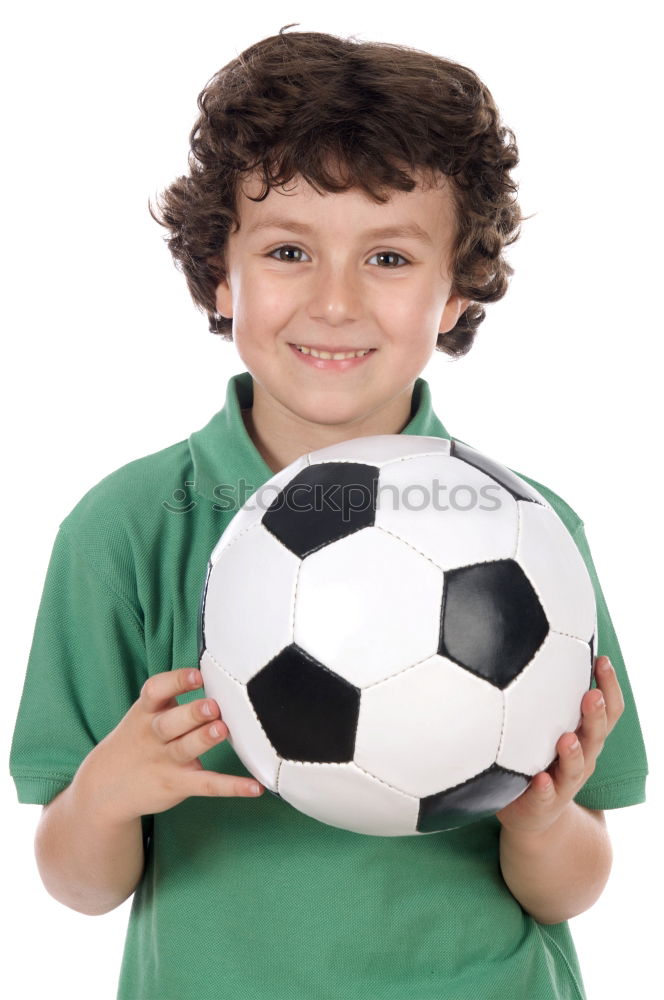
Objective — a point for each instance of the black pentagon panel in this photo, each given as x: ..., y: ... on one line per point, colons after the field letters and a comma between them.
x: 476, y: 799
x: 322, y: 503
x: 519, y: 488
x: 492, y: 622
x: 308, y: 712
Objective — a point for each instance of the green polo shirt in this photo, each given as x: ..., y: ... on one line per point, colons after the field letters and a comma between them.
x: 248, y: 898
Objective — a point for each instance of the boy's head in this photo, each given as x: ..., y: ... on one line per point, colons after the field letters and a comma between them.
x: 314, y: 114
x: 338, y: 274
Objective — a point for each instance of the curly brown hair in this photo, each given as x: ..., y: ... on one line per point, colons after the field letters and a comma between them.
x: 292, y: 104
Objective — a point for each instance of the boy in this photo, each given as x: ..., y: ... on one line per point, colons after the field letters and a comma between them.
x: 349, y: 199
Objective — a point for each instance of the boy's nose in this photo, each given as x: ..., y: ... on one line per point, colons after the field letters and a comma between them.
x: 334, y: 295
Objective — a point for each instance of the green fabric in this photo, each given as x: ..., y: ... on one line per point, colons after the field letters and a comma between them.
x: 245, y: 898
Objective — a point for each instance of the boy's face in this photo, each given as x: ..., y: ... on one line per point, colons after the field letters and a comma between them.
x: 338, y: 287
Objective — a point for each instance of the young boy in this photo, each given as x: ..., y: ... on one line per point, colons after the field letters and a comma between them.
x: 343, y: 198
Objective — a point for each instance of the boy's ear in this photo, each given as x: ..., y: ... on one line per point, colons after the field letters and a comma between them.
x: 454, y: 306
x: 224, y: 299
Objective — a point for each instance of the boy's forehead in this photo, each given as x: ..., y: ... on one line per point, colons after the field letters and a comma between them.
x: 430, y: 203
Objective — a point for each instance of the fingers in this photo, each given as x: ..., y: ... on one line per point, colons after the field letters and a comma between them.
x: 210, y: 783
x: 600, y: 710
x: 571, y: 769
x: 197, y: 742
x: 609, y: 687
x: 578, y: 752
x: 594, y: 726
x: 160, y: 690
x: 550, y: 791
x: 188, y: 731
x: 175, y: 722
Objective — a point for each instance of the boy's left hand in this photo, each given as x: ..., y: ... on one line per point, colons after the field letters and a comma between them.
x: 550, y: 792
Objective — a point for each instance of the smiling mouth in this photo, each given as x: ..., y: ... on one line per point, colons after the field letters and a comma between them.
x: 332, y: 354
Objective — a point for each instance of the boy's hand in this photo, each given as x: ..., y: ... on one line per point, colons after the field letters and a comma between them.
x: 149, y: 762
x: 550, y: 792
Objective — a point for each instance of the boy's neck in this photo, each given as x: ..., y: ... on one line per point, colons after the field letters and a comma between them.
x: 279, y: 442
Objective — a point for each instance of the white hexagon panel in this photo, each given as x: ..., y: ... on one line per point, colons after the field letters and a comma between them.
x: 544, y: 702
x: 345, y: 795
x: 448, y: 510
x: 411, y: 726
x: 341, y: 587
x: 556, y: 568
x: 270, y: 572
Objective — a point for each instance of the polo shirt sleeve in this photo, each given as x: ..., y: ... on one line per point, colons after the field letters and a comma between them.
x: 85, y: 669
x: 620, y: 773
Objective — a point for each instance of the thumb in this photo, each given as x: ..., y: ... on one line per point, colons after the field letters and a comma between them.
x: 544, y: 787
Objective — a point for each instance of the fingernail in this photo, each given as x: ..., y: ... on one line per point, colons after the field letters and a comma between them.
x: 206, y: 710
x: 193, y: 676
x: 255, y: 789
x: 214, y: 731
x: 599, y: 702
x: 604, y: 665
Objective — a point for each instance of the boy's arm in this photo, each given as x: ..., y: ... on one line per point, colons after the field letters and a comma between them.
x: 555, y: 855
x: 557, y: 874
x: 85, y: 860
x: 89, y: 842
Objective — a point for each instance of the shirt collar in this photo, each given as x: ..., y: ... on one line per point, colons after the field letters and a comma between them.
x: 224, y: 455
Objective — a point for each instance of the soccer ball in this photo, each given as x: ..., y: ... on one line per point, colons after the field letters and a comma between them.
x: 398, y: 630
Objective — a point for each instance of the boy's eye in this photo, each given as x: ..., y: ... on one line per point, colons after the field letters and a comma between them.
x: 291, y: 249
x: 389, y: 253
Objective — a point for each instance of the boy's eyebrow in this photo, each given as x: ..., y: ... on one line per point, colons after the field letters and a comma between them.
x: 406, y: 229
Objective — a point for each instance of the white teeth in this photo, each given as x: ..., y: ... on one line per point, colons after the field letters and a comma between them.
x: 326, y: 356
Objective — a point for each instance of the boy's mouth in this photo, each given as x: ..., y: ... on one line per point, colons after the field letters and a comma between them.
x: 333, y: 353
x: 335, y: 360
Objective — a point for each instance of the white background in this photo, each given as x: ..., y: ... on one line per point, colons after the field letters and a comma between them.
x: 106, y: 359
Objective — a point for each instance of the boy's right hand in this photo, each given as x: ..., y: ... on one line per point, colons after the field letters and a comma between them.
x: 149, y: 762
